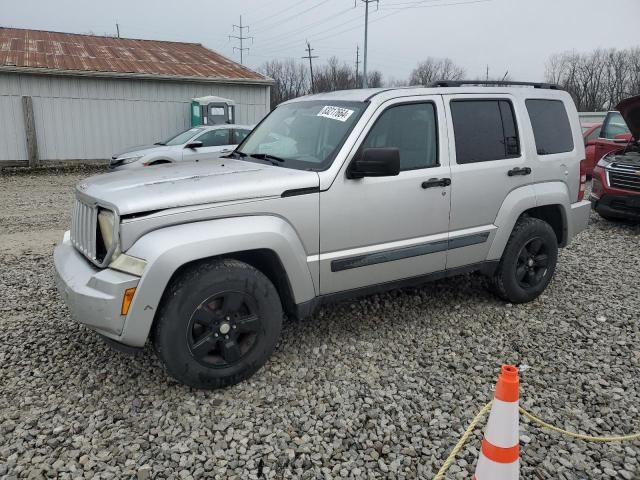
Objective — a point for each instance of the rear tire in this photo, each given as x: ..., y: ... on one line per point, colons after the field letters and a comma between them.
x: 218, y: 323
x: 528, y: 261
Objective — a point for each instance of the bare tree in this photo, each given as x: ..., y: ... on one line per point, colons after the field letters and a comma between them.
x: 433, y: 69
x: 633, y: 87
x: 334, y: 76
x: 374, y: 79
x: 291, y: 80
x: 597, y: 80
x: 396, y: 82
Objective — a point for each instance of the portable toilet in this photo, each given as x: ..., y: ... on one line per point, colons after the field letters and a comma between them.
x: 212, y: 110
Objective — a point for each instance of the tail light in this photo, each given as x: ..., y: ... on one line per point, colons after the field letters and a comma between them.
x: 583, y: 180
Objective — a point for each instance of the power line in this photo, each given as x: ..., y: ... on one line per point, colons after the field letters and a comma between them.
x: 333, y: 35
x: 421, y: 5
x: 278, y: 38
x: 242, y: 38
x: 285, y: 42
x: 277, y: 13
x: 394, y: 11
x: 310, y: 57
x: 295, y: 15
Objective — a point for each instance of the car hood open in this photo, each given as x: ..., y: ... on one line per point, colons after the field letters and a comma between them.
x: 192, y: 183
x: 630, y: 110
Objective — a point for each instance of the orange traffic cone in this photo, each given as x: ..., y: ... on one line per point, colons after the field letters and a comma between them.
x: 500, y: 453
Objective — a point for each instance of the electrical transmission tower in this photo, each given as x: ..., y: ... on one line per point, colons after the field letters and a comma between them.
x: 241, y: 38
x: 310, y: 57
x: 366, y: 35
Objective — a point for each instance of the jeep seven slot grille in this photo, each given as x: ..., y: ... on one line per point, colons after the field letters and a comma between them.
x: 624, y: 176
x: 84, y: 222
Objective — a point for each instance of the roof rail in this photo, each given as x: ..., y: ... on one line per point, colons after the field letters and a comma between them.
x: 491, y: 83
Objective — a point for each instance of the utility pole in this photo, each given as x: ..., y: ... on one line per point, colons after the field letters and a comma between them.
x: 357, y: 65
x: 242, y: 38
x: 310, y: 57
x: 118, y: 30
x: 366, y: 35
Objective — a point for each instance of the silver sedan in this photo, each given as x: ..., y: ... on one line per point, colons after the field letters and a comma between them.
x: 197, y: 143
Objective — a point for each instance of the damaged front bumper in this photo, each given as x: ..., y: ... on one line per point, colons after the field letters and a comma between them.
x: 94, y: 296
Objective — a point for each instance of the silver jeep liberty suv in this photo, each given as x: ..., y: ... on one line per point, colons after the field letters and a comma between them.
x: 331, y: 196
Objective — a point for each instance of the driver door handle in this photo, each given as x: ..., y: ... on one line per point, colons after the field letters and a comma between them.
x: 436, y: 182
x: 519, y: 171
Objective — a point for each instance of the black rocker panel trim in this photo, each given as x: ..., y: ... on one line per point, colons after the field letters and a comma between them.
x: 307, y: 308
x: 407, y: 252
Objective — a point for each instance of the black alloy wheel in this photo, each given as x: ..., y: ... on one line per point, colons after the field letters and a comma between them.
x: 532, y: 264
x: 528, y: 261
x: 223, y: 329
x: 218, y: 323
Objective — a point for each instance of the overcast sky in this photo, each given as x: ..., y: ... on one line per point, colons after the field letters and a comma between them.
x: 507, y: 35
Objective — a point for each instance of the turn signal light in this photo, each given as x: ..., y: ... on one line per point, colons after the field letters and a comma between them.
x: 127, y: 298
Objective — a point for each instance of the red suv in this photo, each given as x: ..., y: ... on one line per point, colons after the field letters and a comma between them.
x: 616, y: 178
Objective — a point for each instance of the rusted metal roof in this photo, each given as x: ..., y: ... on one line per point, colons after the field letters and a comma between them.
x: 54, y: 52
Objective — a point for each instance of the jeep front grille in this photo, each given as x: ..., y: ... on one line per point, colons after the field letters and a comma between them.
x: 84, y: 223
x: 624, y: 176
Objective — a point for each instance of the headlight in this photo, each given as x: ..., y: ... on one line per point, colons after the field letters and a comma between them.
x: 129, y: 160
x: 106, y: 222
x: 604, y: 162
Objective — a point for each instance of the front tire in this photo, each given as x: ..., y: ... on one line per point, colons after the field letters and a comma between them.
x: 218, y: 323
x: 528, y: 261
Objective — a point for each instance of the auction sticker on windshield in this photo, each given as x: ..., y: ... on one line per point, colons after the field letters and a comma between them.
x: 335, y: 113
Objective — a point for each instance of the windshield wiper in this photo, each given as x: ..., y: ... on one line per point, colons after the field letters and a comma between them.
x: 268, y: 157
x: 272, y: 159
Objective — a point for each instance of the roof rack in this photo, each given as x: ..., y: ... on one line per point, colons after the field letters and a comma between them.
x: 501, y: 83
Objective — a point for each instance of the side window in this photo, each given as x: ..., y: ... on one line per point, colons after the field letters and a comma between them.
x: 484, y: 130
x: 239, y: 135
x: 614, y: 125
x: 413, y: 129
x: 551, y: 127
x: 595, y: 134
x: 215, y: 138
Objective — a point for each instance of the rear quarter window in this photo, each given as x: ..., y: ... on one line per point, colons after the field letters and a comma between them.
x: 551, y: 127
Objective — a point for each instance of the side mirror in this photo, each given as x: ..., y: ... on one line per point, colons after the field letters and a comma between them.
x: 375, y: 162
x: 194, y: 145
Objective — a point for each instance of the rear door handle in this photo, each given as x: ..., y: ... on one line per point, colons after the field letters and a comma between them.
x: 436, y: 182
x: 519, y: 171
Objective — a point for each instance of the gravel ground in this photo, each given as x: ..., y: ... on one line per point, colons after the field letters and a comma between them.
x: 380, y: 387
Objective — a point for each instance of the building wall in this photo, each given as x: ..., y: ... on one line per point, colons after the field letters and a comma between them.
x: 79, y: 118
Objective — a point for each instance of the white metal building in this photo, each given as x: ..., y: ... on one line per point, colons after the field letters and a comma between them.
x: 83, y: 97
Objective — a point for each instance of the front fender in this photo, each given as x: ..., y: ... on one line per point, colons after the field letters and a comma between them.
x: 167, y: 249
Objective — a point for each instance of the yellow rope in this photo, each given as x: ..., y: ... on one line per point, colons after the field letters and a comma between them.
x: 461, y: 442
x: 587, y: 438
x: 474, y: 423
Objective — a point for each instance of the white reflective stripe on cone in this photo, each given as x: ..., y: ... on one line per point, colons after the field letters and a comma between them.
x: 502, y: 427
x: 488, y: 470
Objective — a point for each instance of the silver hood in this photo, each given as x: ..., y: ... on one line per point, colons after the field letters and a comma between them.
x: 192, y: 183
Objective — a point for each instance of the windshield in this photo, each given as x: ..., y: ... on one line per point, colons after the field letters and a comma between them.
x: 304, y: 135
x: 181, y: 138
